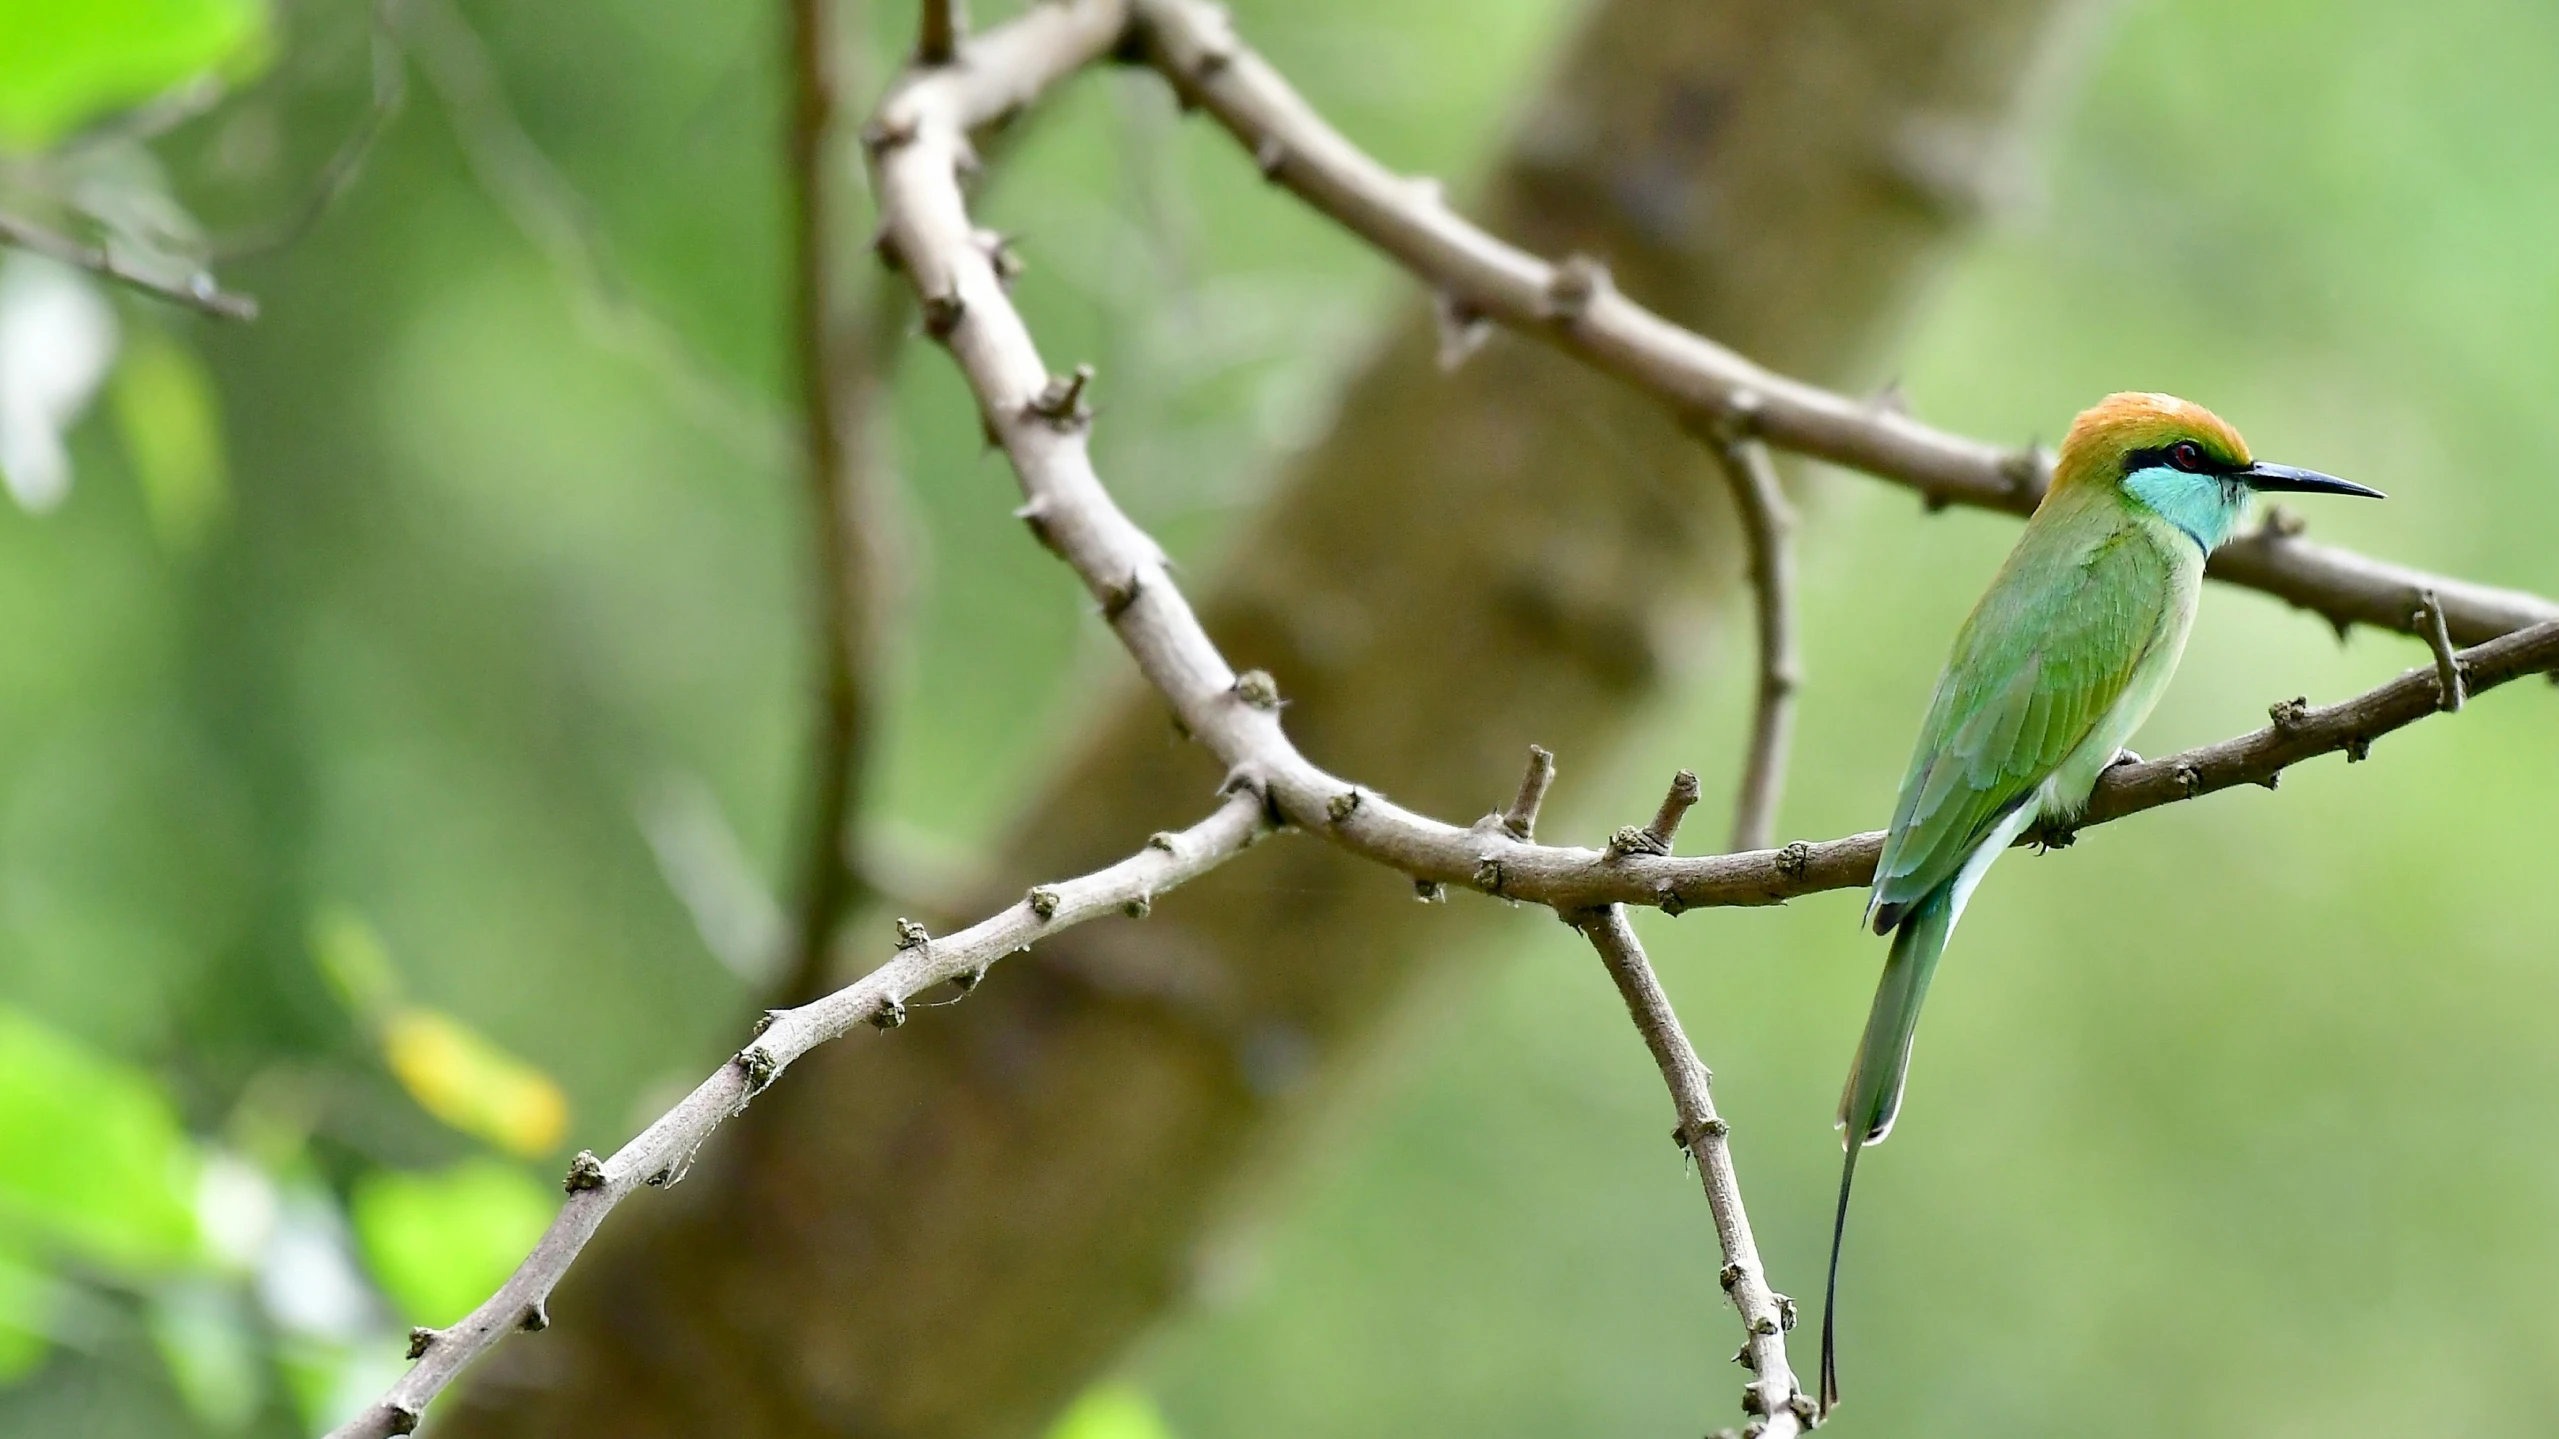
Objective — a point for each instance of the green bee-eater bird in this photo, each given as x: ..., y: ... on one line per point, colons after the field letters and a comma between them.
x: 2057, y: 666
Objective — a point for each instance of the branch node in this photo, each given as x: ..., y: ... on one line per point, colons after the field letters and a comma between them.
x: 1165, y: 841
x: 1742, y: 1357
x: 535, y: 1318
x: 1140, y: 907
x: 1269, y: 155
x: 887, y: 133
x: 1061, y: 400
x: 2022, y: 469
x: 1001, y: 257
x: 911, y: 934
x: 1674, y: 807
x: 942, y: 313
x: 1575, y: 285
x: 1463, y: 329
x: 756, y: 1063
x: 1635, y: 839
x: 1430, y: 891
x: 404, y: 1416
x: 1116, y: 601
x: 1257, y: 689
x: 585, y: 1172
x: 1034, y: 515
x: 1488, y: 875
x: 1043, y: 902
x: 1728, y: 1276
x: 1785, y: 1313
x: 1794, y: 859
x: 1342, y: 806
x: 2429, y: 621
x: 889, y: 1015
x: 2190, y: 779
x: 422, y: 1339
x: 2288, y: 715
x: 2358, y: 749
x: 1668, y: 901
x: 1521, y: 818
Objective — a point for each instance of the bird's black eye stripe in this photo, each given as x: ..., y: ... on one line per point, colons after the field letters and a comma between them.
x: 2184, y: 455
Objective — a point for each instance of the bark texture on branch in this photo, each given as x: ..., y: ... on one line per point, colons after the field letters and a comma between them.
x: 948, y: 1234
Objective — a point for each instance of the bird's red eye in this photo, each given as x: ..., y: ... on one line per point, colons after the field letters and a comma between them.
x: 2187, y: 455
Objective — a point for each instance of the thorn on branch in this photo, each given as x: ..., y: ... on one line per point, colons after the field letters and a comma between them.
x: 2429, y: 622
x: 943, y: 311
x: 1269, y: 156
x: 421, y: 1339
x: 1674, y: 808
x: 1121, y: 596
x: 1034, y: 515
x: 1001, y: 257
x: 1576, y: 284
x: 1061, y: 400
x: 2023, y: 469
x: 585, y: 1172
x: 1463, y: 329
x: 887, y: 133
x: 1521, y: 818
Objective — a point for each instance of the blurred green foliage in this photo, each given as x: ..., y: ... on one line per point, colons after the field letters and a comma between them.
x: 395, y: 607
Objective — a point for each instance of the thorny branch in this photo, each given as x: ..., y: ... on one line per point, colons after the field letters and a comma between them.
x: 1573, y: 306
x: 662, y: 1152
x: 1773, y: 1394
x: 1768, y: 525
x: 198, y: 291
x: 920, y: 151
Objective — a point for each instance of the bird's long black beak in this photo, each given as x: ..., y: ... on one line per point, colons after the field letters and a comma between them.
x: 2263, y: 478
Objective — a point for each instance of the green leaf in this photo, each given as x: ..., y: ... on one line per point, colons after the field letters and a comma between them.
x: 91, y: 1156
x: 64, y: 63
x: 171, y: 423
x: 439, y: 1243
x: 1112, y: 1411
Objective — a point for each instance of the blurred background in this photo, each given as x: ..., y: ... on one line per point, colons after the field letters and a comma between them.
x: 402, y: 731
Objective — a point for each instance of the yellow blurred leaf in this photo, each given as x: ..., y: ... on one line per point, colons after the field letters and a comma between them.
x: 171, y: 421
x: 469, y: 1083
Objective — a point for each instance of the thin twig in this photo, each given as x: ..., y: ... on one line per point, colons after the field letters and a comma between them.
x: 198, y: 292
x: 920, y: 145
x: 662, y: 1152
x: 1572, y: 306
x: 1783, y: 1408
x: 945, y: 25
x: 1521, y: 818
x: 559, y: 223
x: 2430, y: 623
x: 1768, y: 524
x: 390, y: 92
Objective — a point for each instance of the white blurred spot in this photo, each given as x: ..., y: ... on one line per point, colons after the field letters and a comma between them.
x: 235, y: 1210
x: 57, y: 337
x: 308, y: 1280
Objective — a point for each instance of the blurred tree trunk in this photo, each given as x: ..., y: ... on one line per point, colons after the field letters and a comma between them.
x: 946, y: 1232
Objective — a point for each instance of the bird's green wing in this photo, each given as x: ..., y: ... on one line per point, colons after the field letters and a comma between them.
x: 2047, y: 652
